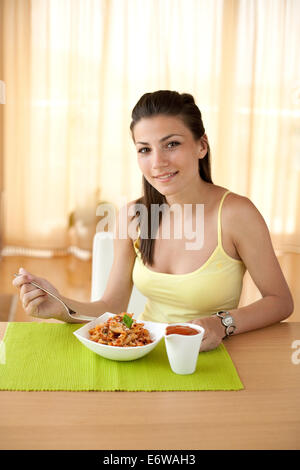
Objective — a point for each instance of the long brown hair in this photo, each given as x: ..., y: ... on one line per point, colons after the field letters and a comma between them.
x: 169, y: 103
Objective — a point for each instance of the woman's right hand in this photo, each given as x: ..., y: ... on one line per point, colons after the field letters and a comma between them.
x: 36, y: 302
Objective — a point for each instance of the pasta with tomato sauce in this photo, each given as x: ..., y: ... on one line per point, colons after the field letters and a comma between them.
x: 114, y: 332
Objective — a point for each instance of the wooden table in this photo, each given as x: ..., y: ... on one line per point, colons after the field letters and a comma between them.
x: 265, y: 415
x: 8, y: 306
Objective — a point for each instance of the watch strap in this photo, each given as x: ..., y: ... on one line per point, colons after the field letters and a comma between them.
x: 223, y: 315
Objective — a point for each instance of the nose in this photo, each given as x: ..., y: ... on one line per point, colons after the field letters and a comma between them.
x: 159, y: 159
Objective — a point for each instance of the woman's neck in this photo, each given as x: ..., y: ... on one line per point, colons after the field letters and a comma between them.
x: 199, y: 194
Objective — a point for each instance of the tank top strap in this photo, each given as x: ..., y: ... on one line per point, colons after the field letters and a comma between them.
x: 219, y: 218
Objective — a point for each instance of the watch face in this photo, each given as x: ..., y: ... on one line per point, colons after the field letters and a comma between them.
x: 228, y: 321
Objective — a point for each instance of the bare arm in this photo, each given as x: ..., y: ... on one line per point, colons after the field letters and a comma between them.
x: 115, y: 298
x: 119, y: 286
x: 253, y: 242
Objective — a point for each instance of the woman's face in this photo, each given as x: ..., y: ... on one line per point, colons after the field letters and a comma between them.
x: 168, y: 154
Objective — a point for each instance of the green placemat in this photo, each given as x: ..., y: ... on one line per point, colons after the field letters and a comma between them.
x: 47, y: 356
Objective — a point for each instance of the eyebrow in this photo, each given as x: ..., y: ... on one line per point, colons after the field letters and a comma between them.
x: 161, y: 140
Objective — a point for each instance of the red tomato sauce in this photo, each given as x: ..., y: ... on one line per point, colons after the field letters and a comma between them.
x: 181, y: 330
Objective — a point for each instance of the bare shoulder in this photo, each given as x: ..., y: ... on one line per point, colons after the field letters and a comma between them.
x: 126, y: 221
x: 243, y: 215
x: 241, y: 219
x: 129, y: 206
x: 235, y: 203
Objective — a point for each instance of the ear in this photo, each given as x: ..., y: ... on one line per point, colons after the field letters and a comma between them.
x: 203, y: 146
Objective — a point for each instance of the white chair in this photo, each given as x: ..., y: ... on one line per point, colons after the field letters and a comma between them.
x: 103, y: 254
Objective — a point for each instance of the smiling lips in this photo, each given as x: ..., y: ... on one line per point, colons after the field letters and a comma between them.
x: 166, y: 176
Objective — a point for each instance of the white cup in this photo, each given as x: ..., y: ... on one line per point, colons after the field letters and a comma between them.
x: 183, y: 350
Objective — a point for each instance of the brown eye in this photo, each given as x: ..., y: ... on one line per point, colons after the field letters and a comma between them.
x: 173, y: 142
x: 144, y: 148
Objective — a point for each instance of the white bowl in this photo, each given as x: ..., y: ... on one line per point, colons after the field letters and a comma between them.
x: 118, y: 353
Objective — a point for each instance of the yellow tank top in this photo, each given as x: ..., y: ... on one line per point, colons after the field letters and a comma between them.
x: 172, y: 298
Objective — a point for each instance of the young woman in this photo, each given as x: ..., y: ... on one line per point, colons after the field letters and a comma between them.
x: 198, y: 282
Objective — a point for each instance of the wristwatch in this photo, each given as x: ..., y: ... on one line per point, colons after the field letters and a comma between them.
x: 228, y: 321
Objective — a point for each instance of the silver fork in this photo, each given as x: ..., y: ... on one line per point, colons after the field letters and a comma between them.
x: 71, y: 314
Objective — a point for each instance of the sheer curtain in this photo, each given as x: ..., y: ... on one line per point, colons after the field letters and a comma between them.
x: 75, y: 68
